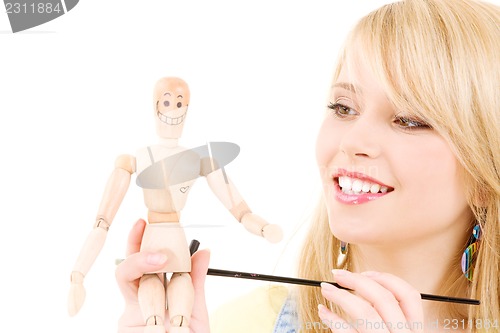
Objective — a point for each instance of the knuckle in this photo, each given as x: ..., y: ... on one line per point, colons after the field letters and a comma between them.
x: 388, y: 297
x: 366, y: 310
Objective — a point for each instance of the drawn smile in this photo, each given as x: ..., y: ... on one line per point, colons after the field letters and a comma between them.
x: 170, y: 120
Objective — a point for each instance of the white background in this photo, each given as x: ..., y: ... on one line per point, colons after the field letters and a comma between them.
x: 76, y: 92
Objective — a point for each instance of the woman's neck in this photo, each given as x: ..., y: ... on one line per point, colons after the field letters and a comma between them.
x: 427, y: 265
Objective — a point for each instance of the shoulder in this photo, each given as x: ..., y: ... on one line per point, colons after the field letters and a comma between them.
x: 126, y: 162
x: 256, y: 311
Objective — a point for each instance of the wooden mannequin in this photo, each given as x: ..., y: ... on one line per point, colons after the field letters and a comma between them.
x: 166, y: 172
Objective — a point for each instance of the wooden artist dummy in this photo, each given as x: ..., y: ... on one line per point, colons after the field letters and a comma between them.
x: 166, y: 172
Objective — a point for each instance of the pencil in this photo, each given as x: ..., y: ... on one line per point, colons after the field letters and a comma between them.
x: 314, y: 283
x: 193, y: 247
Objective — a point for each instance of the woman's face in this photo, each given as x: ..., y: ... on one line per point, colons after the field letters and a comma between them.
x: 387, y: 176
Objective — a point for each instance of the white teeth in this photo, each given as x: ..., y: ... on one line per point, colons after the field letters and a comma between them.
x: 345, y: 182
x: 375, y: 188
x: 357, y: 186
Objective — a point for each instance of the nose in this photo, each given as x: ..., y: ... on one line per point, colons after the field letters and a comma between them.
x: 362, y: 138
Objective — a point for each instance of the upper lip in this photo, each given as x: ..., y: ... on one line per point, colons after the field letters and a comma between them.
x: 360, y: 176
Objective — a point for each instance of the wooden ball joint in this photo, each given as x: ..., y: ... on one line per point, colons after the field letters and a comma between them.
x: 166, y: 172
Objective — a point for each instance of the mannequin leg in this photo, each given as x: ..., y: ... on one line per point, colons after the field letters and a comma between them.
x: 152, y: 301
x: 180, y: 302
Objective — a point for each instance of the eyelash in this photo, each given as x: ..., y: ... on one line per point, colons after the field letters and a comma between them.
x: 336, y: 110
x: 342, y: 111
x: 411, y: 124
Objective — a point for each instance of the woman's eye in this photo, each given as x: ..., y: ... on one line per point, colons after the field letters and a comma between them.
x: 341, y: 110
x: 408, y: 123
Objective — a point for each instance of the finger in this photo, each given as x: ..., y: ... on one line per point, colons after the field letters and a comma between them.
x: 136, y: 265
x: 333, y: 321
x: 199, y: 269
x: 359, y: 311
x: 381, y: 299
x: 409, y: 299
x: 135, y: 237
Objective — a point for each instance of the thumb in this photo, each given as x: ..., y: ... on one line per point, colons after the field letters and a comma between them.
x: 200, y: 261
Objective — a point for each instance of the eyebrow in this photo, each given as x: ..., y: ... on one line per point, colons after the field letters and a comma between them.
x: 167, y: 93
x: 347, y: 86
x: 180, y: 96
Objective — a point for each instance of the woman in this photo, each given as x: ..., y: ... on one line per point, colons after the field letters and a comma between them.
x: 409, y: 157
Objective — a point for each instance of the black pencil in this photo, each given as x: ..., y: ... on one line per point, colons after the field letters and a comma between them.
x: 313, y: 283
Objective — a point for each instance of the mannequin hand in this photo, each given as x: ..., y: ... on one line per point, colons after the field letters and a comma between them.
x: 137, y: 264
x: 76, y: 293
x: 381, y: 301
x: 258, y: 226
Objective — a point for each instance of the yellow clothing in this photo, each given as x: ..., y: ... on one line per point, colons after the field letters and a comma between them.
x: 255, y: 312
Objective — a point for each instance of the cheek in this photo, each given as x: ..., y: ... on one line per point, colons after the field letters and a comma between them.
x: 327, y: 143
x: 431, y: 185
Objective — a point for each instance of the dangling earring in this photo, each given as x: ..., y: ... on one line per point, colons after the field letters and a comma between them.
x: 343, y: 254
x: 470, y: 253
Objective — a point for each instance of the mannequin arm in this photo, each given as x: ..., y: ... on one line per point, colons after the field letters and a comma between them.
x: 227, y: 193
x: 114, y: 193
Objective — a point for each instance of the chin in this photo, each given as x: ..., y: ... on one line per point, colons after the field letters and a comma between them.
x: 357, y: 231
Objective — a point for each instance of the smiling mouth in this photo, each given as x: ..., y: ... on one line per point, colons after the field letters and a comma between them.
x: 356, y: 186
x: 170, y: 120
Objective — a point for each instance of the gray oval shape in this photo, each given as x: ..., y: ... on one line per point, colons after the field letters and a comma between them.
x: 186, y: 165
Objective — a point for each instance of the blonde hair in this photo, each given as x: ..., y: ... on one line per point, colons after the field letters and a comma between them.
x: 438, y: 59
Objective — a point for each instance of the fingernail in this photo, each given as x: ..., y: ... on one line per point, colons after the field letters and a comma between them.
x: 327, y: 286
x: 321, y: 309
x: 156, y: 259
x: 339, y: 272
x: 370, y: 273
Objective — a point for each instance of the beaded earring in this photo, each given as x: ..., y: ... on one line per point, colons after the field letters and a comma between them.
x: 470, y: 253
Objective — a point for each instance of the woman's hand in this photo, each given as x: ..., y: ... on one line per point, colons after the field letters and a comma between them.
x: 380, y: 303
x: 137, y: 264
